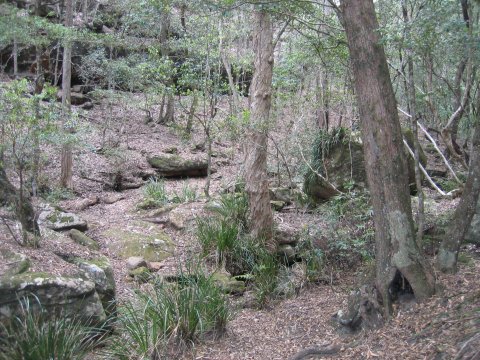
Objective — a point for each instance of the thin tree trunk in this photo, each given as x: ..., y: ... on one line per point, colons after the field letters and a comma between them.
x: 23, y: 207
x: 412, y: 100
x: 448, y: 253
x: 191, y: 113
x: 256, y: 178
x: 15, y: 57
x: 385, y: 160
x: 66, y: 161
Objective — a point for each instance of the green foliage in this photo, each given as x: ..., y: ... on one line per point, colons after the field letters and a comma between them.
x: 36, y: 335
x: 57, y: 194
x: 187, y: 194
x: 265, y: 273
x: 170, y: 313
x: 312, y: 257
x: 347, y: 240
x: 155, y: 192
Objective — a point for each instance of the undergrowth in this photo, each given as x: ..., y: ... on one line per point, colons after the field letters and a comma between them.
x: 168, y: 316
x: 155, y: 194
x: 35, y: 334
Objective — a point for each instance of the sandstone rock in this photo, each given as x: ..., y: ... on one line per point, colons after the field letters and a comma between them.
x: 82, y: 239
x: 277, y: 205
x: 12, y: 263
x: 58, y: 220
x: 343, y: 163
x: 100, y: 272
x: 175, y: 166
x: 135, y: 262
x: 68, y: 296
x: 227, y: 283
x: 155, y: 266
x: 142, y: 239
x: 141, y: 274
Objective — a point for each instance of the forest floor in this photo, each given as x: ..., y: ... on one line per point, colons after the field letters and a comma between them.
x: 434, y: 329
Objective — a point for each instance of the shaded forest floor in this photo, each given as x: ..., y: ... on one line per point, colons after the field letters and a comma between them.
x: 115, y: 138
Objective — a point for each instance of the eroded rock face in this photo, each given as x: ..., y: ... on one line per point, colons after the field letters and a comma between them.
x: 100, y: 272
x: 67, y: 296
x: 59, y: 221
x: 176, y: 166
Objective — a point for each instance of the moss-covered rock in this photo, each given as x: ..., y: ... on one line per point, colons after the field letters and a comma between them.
x: 340, y: 159
x: 228, y: 283
x: 58, y: 220
x: 75, y: 297
x: 12, y: 263
x: 99, y: 270
x: 176, y: 166
x: 141, y: 274
x: 82, y: 239
x: 140, y: 239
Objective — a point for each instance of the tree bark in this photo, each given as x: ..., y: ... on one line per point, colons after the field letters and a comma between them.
x: 23, y: 207
x: 256, y: 179
x: 66, y: 161
x: 386, y: 167
x: 412, y: 101
x: 448, y: 253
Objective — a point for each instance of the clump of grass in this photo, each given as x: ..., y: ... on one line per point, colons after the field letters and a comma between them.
x: 154, y: 194
x: 187, y: 194
x: 34, y: 335
x: 170, y: 314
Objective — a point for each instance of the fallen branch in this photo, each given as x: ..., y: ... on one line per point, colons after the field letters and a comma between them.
x: 441, y: 154
x: 435, y: 186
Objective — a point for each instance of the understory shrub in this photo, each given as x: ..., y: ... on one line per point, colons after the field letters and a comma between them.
x: 169, y: 315
x: 224, y: 234
x: 34, y: 335
x: 349, y: 238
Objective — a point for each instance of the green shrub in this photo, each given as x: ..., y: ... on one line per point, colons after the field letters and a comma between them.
x: 170, y: 314
x: 265, y: 273
x: 37, y: 335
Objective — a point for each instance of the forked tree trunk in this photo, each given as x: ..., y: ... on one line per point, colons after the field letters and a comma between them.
x: 66, y: 161
x: 256, y: 179
x: 448, y: 253
x: 23, y: 207
x: 386, y: 167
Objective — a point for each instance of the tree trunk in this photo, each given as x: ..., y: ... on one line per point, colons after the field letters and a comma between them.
x: 256, y: 179
x: 15, y: 57
x: 448, y: 252
x: 397, y: 253
x: 168, y: 116
x: 66, y: 161
x: 23, y: 207
x: 412, y: 101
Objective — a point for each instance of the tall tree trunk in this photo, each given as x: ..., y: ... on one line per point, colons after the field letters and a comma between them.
x: 397, y: 252
x: 448, y: 252
x: 66, y: 161
x: 168, y: 116
x: 15, y: 57
x: 256, y: 179
x: 412, y: 101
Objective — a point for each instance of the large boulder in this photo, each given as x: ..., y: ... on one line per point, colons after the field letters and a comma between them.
x: 100, y: 272
x: 176, y: 166
x: 341, y: 161
x: 59, y: 221
x: 68, y: 296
